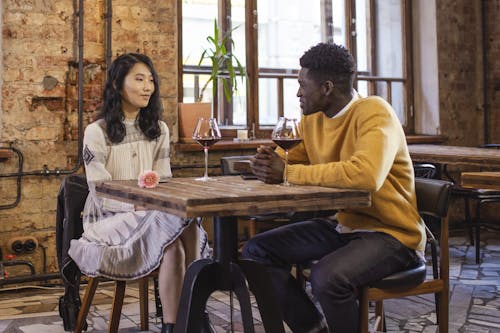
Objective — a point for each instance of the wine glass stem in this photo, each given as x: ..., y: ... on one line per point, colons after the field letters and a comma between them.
x: 285, y: 175
x: 205, y: 150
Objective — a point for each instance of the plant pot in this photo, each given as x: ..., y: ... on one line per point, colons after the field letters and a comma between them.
x: 188, y: 117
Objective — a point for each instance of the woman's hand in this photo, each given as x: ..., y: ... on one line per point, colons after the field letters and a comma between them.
x: 268, y: 166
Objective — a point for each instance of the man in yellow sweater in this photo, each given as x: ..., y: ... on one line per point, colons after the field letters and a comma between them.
x: 349, y: 142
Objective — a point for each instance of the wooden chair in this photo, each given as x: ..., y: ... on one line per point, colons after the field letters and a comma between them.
x: 432, y: 199
x: 116, y: 309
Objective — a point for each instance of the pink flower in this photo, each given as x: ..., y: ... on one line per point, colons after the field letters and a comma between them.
x: 148, y: 179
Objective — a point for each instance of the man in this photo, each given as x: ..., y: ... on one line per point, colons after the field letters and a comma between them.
x: 348, y: 142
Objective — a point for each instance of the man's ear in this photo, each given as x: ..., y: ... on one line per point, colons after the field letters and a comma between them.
x: 327, y: 87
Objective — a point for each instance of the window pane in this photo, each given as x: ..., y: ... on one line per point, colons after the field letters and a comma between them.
x: 362, y: 47
x: 268, y: 101
x: 389, y: 38
x: 338, y: 15
x: 290, y: 100
x: 197, y: 23
x: 286, y: 29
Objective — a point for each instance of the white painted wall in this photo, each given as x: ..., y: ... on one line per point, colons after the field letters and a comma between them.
x: 426, y: 78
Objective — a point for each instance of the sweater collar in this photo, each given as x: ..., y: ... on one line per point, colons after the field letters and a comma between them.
x: 355, y: 97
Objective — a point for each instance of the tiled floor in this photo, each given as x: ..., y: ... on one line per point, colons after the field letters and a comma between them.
x: 474, y: 305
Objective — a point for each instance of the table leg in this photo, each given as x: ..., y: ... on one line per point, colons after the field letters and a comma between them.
x: 225, y: 273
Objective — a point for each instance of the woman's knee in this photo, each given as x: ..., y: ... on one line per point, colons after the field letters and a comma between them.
x: 175, y: 251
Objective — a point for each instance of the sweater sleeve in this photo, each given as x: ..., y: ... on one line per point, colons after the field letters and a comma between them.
x: 96, y: 152
x: 367, y: 155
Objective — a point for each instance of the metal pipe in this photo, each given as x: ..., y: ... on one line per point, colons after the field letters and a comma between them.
x: 486, y: 108
x: 20, y: 262
x: 109, y: 29
x: 30, y: 278
x: 20, y: 160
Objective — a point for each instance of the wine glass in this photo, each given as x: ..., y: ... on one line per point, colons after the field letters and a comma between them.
x: 206, y: 133
x: 286, y: 135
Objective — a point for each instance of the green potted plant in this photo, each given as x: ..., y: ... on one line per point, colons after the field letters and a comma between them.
x: 225, y: 67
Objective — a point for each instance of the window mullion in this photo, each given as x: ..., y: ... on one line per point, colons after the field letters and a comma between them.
x: 252, y: 62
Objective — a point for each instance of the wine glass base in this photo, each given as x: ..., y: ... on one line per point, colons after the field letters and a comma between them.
x: 206, y: 179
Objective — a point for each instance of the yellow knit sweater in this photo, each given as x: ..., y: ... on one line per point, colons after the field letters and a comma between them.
x: 365, y: 148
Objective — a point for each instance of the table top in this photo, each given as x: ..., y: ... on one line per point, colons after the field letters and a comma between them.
x: 481, y: 180
x: 473, y: 156
x: 232, y: 196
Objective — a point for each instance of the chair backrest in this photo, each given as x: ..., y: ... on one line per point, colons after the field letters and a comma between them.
x: 432, y: 196
x: 424, y: 170
x: 227, y: 164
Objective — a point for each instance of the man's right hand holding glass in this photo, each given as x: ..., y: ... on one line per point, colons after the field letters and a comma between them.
x: 268, y: 166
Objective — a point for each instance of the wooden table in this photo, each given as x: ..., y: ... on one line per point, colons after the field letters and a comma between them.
x: 225, y: 199
x: 481, y: 180
x: 455, y: 155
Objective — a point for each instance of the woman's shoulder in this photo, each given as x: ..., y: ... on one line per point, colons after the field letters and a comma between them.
x: 163, y: 127
x: 97, y: 127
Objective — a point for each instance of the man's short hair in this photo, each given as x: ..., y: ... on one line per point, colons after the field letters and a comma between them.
x: 328, y: 61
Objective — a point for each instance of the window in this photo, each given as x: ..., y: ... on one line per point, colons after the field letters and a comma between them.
x: 270, y: 37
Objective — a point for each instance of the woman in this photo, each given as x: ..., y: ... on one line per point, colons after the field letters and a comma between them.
x: 120, y: 240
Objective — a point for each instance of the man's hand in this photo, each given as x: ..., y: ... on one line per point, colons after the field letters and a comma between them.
x: 268, y: 166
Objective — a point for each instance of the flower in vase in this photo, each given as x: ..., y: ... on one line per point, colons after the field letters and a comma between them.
x: 148, y: 179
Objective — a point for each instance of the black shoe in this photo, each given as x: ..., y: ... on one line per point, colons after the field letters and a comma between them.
x: 167, y: 328
x: 206, y: 325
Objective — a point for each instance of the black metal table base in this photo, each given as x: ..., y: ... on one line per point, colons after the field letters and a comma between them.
x: 227, y: 273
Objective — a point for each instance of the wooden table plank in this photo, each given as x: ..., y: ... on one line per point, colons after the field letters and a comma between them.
x: 232, y: 196
x: 481, y: 180
x: 455, y: 155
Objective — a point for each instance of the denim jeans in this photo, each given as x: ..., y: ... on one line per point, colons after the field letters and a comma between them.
x: 345, y: 263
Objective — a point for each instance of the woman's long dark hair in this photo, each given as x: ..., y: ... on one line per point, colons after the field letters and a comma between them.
x: 112, y: 112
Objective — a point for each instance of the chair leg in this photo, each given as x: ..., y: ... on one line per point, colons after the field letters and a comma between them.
x: 379, y: 313
x: 252, y: 228
x: 477, y: 223
x: 87, y: 300
x: 363, y: 310
x: 143, y: 303
x: 468, y: 222
x: 116, y: 310
x: 443, y: 311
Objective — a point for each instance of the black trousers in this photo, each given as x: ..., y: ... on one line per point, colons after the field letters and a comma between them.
x: 345, y: 262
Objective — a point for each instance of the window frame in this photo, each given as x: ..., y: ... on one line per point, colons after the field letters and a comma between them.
x: 254, y: 72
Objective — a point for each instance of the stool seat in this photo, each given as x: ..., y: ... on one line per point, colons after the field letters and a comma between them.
x: 408, y: 278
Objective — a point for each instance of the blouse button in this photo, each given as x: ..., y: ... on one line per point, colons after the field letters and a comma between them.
x: 134, y: 154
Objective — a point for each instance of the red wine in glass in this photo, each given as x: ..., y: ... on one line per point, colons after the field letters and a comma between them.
x: 286, y: 135
x: 206, y: 133
x: 287, y: 143
x: 207, y: 142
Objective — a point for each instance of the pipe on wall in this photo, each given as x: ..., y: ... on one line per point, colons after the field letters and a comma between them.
x: 486, y: 107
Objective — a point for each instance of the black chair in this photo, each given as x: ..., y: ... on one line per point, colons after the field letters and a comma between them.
x: 70, y: 201
x: 425, y: 170
x: 481, y: 197
x: 432, y: 199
